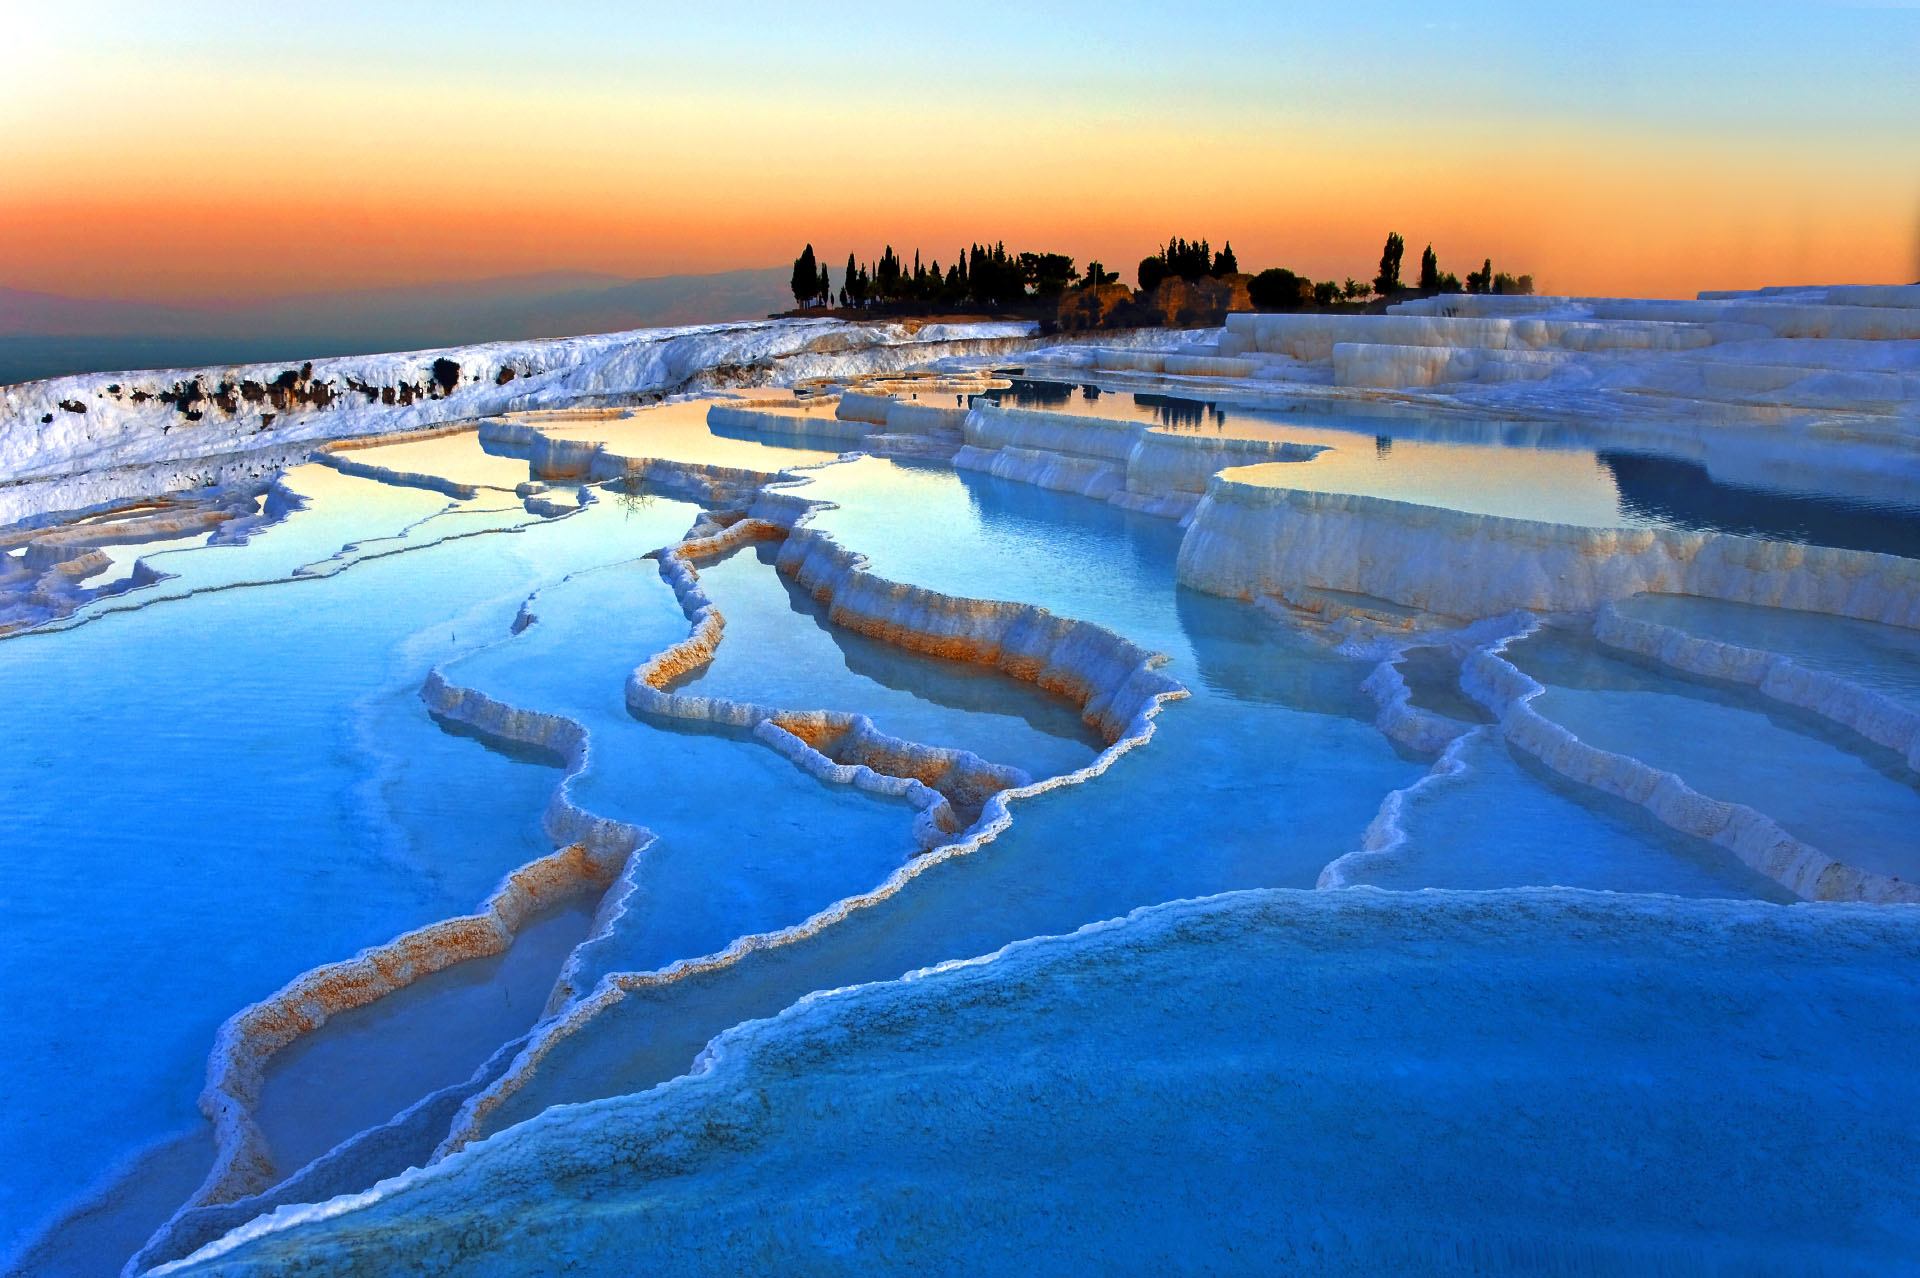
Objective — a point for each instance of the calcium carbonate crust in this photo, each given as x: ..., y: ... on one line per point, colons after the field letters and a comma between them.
x: 1754, y: 837
x: 1873, y: 715
x: 1252, y: 535
x: 72, y: 442
x: 601, y: 854
x: 1248, y: 538
x: 1115, y: 682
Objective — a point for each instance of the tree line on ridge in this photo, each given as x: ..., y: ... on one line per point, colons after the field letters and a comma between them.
x: 991, y: 277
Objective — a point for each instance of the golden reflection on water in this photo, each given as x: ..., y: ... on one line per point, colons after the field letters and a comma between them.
x: 1570, y: 487
x: 678, y: 432
x: 1556, y: 486
x: 457, y: 456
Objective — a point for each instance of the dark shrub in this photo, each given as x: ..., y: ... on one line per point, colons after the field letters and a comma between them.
x: 1278, y: 289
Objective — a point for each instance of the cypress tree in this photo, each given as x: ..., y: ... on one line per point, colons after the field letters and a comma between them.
x: 1388, y: 281
x: 1429, y: 270
x: 805, y: 280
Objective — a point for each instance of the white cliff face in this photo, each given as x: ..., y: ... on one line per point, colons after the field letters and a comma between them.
x: 1251, y: 536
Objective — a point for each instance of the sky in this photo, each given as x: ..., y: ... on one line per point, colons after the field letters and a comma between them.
x: 200, y: 149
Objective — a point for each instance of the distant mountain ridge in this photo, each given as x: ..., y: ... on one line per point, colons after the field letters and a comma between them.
x: 49, y: 335
x: 550, y: 304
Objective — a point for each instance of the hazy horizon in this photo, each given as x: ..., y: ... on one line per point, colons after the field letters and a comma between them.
x: 48, y: 335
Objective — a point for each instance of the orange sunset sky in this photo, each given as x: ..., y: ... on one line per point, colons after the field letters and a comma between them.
x: 207, y: 150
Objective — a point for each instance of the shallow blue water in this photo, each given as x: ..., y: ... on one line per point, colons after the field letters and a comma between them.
x: 1854, y: 801
x: 1558, y: 472
x: 1265, y: 775
x: 746, y: 841
x: 1508, y: 822
x: 1301, y: 1083
x: 238, y: 785
x: 235, y: 788
x: 779, y: 649
x: 366, y: 1065
x: 977, y: 536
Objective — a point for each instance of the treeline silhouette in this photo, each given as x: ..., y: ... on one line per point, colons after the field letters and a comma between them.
x: 990, y: 277
x: 981, y: 275
x: 1434, y: 280
x: 1190, y: 260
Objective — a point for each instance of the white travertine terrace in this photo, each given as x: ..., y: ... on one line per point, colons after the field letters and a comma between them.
x: 592, y: 851
x: 1252, y: 536
x: 1873, y: 715
x: 1762, y: 387
x: 1111, y: 679
x: 773, y: 421
x: 1754, y: 837
x: 92, y: 440
x: 1777, y: 352
x: 339, y: 455
x: 1114, y: 681
x: 1398, y: 717
x: 1762, y: 380
x: 364, y: 1158
x: 243, y: 1162
x: 1385, y: 835
x: 1274, y: 965
x: 49, y: 571
x: 1310, y: 338
x: 1127, y: 463
x: 837, y: 747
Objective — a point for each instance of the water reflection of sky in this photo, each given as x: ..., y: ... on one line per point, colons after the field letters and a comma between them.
x: 456, y: 456
x: 678, y: 432
x: 1516, y: 470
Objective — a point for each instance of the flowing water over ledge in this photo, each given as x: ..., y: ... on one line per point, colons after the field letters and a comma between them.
x: 772, y: 723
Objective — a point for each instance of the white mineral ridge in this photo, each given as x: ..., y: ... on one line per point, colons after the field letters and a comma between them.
x: 1874, y: 715
x: 1852, y: 348
x: 1253, y: 536
x: 40, y: 439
